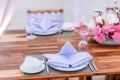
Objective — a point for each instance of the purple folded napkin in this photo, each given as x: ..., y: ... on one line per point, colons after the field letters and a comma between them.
x: 45, y: 26
x: 68, y: 57
x: 68, y: 49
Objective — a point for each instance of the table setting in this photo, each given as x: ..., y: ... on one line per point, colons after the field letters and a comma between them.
x: 67, y: 61
x: 47, y: 27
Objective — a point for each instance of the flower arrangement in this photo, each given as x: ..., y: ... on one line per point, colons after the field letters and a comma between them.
x: 106, y: 26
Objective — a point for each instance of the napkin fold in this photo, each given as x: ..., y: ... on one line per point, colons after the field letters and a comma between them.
x: 68, y: 49
x: 45, y: 26
x: 68, y: 57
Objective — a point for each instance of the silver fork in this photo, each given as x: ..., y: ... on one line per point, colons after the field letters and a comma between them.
x: 92, y: 66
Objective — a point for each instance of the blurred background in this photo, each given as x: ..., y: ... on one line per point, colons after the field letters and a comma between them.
x: 74, y: 10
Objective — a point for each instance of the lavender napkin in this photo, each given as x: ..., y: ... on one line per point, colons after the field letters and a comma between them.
x: 68, y: 57
x: 46, y: 26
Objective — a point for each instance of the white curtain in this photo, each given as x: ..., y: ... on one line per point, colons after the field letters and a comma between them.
x: 79, y: 12
x: 2, y: 8
x: 6, y: 12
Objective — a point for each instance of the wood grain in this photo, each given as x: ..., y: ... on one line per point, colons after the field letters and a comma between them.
x: 14, y: 47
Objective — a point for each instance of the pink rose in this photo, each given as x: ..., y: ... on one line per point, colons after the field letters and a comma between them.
x: 116, y: 36
x: 100, y: 37
x: 97, y: 30
x: 117, y: 28
x: 107, y: 28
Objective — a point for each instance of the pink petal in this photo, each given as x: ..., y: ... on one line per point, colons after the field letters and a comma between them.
x: 116, y: 36
x: 107, y: 28
x: 97, y: 30
x: 81, y: 26
x: 117, y: 28
x: 101, y: 37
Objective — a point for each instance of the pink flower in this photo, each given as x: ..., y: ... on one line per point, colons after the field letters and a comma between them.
x: 117, y: 28
x: 101, y: 37
x: 81, y: 25
x: 110, y: 34
x: 107, y: 28
x: 97, y: 30
x: 116, y: 36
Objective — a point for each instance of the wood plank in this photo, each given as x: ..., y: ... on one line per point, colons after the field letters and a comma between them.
x: 10, y: 73
x: 14, y: 47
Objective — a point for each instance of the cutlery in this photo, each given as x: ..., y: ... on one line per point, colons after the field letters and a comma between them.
x: 46, y: 65
x: 91, y: 67
x: 94, y: 66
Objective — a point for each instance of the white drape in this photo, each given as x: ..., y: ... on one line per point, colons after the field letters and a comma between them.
x: 79, y: 12
x: 6, y: 12
x: 2, y: 9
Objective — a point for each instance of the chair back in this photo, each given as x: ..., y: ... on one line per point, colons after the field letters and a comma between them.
x: 55, y: 15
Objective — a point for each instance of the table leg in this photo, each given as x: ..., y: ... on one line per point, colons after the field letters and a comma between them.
x: 113, y: 77
x: 88, y: 78
x: 108, y: 77
x: 66, y: 78
x: 60, y: 79
x: 39, y: 79
x: 81, y: 78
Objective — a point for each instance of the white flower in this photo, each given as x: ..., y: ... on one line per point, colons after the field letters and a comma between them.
x: 91, y: 24
x: 99, y: 19
x: 112, y: 19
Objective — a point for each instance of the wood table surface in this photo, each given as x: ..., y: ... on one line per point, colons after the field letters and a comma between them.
x: 14, y: 47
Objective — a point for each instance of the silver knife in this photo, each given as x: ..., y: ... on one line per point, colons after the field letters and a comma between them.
x: 91, y: 67
x: 95, y: 67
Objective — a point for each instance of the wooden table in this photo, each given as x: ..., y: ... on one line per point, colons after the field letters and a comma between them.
x: 14, y: 47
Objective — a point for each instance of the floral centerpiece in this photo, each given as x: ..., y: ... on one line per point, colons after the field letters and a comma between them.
x: 106, y: 27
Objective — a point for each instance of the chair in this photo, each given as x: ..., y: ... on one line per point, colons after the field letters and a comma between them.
x: 55, y: 15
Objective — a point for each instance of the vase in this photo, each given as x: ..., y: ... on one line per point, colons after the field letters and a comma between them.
x: 107, y: 42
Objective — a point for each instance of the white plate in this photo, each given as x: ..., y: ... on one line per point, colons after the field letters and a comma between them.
x: 47, y: 33
x: 71, y: 69
x: 109, y: 42
x: 25, y: 70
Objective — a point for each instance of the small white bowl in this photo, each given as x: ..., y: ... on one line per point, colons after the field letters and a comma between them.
x: 32, y: 65
x: 68, y: 27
